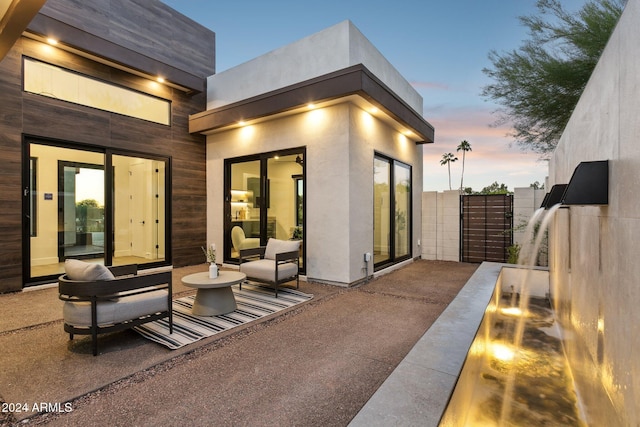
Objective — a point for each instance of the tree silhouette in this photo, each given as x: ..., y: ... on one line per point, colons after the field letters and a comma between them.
x: 464, y: 146
x: 447, y: 159
x: 539, y: 84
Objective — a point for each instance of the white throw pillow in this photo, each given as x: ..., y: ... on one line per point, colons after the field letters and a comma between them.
x: 86, y: 272
x: 275, y: 246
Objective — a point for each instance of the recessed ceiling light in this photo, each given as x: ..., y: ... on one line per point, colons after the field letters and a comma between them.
x: 160, y: 80
x: 242, y: 123
x: 52, y: 41
x: 311, y: 106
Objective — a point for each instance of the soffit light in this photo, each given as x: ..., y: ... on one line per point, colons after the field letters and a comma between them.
x: 94, y: 57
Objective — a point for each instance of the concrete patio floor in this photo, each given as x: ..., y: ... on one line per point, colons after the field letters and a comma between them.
x: 317, y: 364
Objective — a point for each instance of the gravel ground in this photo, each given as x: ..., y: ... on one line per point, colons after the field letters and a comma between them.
x: 315, y: 365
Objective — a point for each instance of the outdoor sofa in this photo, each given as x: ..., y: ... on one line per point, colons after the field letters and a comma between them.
x: 99, y: 299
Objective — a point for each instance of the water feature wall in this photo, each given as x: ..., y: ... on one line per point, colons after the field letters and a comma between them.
x: 594, y: 252
x: 502, y: 383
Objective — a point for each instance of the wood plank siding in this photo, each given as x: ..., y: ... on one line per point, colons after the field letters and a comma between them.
x: 149, y: 32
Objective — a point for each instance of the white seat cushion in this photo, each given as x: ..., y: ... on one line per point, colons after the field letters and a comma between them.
x: 265, y: 269
x: 110, y: 312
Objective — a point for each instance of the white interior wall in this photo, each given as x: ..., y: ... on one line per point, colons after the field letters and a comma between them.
x: 44, y: 246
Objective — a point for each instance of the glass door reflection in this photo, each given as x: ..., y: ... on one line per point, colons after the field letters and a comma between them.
x: 80, y: 210
x: 243, y: 217
x: 265, y: 199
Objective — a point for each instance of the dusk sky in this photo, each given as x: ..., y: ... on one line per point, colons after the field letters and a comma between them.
x: 439, y: 47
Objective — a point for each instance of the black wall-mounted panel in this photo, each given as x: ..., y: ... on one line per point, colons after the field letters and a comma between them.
x: 555, y: 195
x: 544, y: 201
x: 589, y: 184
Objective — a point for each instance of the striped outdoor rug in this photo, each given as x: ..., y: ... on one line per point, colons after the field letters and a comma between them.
x: 253, y: 303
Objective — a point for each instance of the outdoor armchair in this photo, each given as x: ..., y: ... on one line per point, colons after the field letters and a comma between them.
x: 98, y: 299
x: 274, y: 264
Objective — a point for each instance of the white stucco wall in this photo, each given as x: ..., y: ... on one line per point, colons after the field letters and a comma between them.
x: 332, y: 49
x: 594, y: 250
x: 340, y: 141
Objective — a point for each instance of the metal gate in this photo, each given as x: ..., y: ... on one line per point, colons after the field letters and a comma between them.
x: 486, y: 223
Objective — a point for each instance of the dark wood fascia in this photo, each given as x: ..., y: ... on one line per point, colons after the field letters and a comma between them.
x: 14, y: 22
x: 354, y: 80
x: 99, y: 47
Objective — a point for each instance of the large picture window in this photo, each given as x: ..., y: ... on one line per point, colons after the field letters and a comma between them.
x: 391, y: 211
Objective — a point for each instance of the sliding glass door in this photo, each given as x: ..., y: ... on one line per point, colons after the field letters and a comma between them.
x: 139, y: 210
x: 265, y: 198
x: 391, y: 211
x: 94, y: 205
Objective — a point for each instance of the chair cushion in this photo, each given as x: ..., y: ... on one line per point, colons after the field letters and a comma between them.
x: 86, y: 271
x: 275, y: 246
x: 265, y: 270
x: 111, y: 312
x: 249, y: 243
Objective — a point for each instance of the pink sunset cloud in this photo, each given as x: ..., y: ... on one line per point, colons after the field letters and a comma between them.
x: 494, y: 155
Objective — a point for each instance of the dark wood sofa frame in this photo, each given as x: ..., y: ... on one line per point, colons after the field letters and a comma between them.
x: 127, y: 280
x: 248, y: 255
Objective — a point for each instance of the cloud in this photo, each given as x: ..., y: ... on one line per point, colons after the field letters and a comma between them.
x: 494, y: 157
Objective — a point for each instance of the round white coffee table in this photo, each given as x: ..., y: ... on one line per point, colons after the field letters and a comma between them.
x: 213, y: 296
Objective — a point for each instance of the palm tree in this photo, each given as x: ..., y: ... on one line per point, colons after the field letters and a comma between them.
x: 464, y: 147
x: 447, y: 158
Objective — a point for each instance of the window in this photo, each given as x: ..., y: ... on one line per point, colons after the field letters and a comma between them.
x: 102, y: 206
x: 265, y: 198
x: 391, y: 211
x: 56, y: 82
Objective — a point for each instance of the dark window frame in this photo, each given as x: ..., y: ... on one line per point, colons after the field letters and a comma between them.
x: 393, y: 259
x: 28, y: 280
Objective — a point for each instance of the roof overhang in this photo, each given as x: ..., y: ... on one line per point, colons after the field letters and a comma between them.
x: 353, y: 81
x: 15, y: 15
x: 90, y: 46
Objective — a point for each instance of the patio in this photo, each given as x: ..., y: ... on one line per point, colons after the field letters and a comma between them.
x: 317, y: 364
